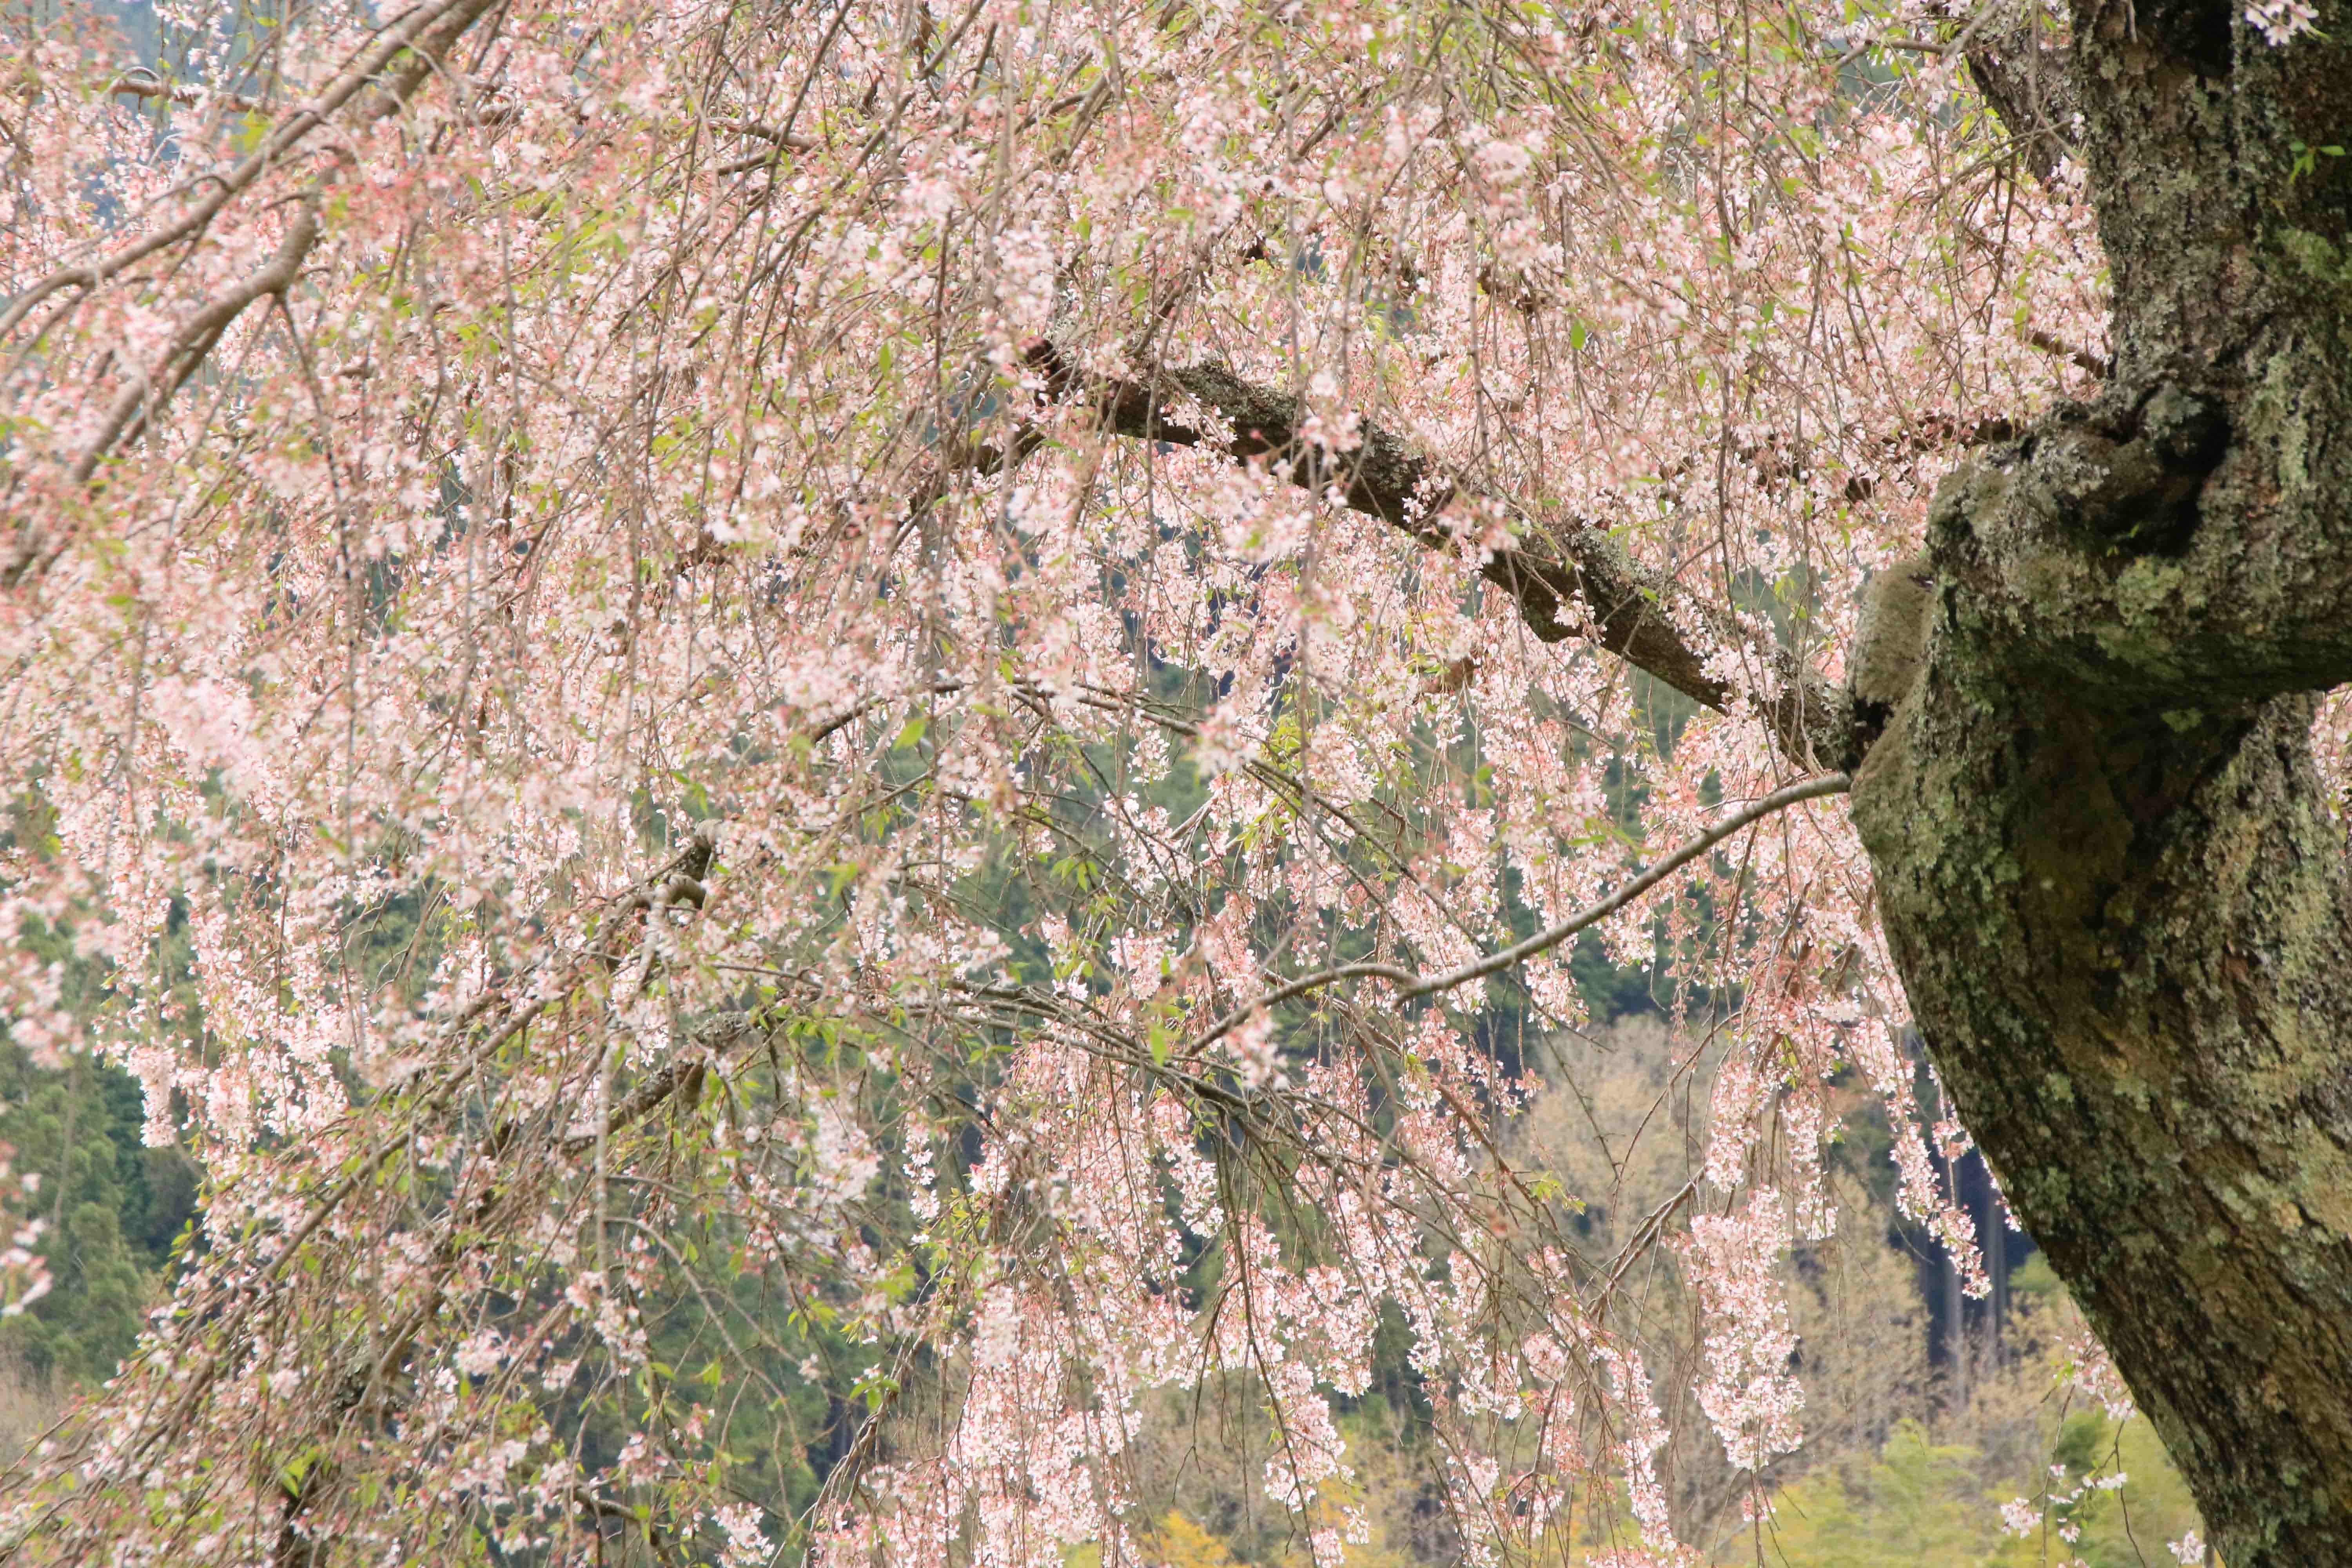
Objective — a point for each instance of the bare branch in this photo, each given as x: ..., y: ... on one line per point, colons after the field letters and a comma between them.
x: 2082, y: 358
x: 1409, y: 984
x: 141, y: 82
x: 761, y: 131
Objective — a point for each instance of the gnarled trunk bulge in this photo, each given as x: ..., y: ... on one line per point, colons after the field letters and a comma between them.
x: 2105, y: 863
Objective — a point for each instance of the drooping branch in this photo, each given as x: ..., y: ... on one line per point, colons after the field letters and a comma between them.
x: 1568, y: 579
x: 527, y: 1150
x: 376, y: 83
x: 423, y: 35
x: 1409, y: 984
x: 143, y: 398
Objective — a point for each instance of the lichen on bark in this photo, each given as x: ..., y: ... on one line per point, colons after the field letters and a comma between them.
x: 2106, y: 861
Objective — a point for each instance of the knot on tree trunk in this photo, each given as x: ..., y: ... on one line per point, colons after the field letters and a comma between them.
x: 2124, y: 478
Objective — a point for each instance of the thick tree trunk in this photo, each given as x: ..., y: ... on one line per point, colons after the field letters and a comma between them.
x: 2126, y: 939
x: 2106, y: 861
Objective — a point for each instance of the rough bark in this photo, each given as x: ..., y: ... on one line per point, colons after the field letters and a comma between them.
x: 2025, y: 79
x: 2125, y: 941
x: 2104, y: 859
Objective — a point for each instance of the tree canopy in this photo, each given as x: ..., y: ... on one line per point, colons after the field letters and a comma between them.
x: 902, y: 716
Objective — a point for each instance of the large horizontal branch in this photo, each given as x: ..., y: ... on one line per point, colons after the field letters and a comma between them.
x: 1569, y: 580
